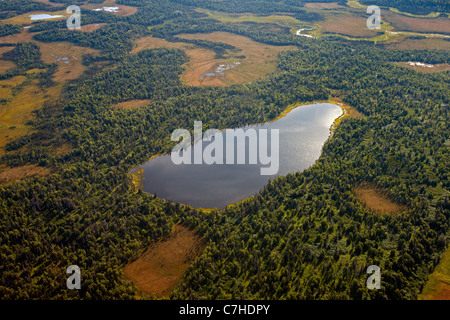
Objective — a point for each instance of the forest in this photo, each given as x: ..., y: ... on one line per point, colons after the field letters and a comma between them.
x: 304, y: 236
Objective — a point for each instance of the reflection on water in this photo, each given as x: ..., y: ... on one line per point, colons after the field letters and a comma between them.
x: 44, y: 16
x: 302, y: 134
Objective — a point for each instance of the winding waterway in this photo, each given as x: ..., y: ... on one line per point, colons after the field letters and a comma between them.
x: 302, y: 134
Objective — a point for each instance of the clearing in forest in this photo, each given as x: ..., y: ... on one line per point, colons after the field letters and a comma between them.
x: 348, y: 25
x: 419, y: 44
x: 404, y: 23
x: 282, y: 19
x: 374, y: 199
x: 255, y: 60
x: 149, y: 42
x: 26, y: 19
x: 19, y: 99
x: 67, y: 56
x: 131, y: 104
x: 159, y: 269
x: 91, y: 27
x: 17, y: 111
x: 10, y: 175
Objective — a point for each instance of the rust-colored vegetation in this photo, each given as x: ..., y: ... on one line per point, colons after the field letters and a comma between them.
x: 131, y: 104
x: 10, y: 175
x: 376, y: 200
x: 159, y: 269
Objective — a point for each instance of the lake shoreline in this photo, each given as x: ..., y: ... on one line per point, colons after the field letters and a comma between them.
x: 312, y: 126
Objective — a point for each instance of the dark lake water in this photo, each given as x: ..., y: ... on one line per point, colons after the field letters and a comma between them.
x: 302, y: 134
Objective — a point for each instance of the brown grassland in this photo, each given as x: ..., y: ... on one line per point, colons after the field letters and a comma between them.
x: 6, y: 65
x: 25, y: 18
x: 10, y: 175
x: 259, y: 60
x: 91, y: 27
x: 281, y: 19
x: 404, y: 23
x: 438, y: 284
x: 22, y: 101
x: 374, y: 199
x: 419, y: 44
x: 5, y: 49
x: 346, y: 24
x: 66, y: 71
x: 159, y: 269
x: 131, y: 104
x: 24, y: 36
x: 15, y: 113
x: 6, y: 86
x: 149, y: 42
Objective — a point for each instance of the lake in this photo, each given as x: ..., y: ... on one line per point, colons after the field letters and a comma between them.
x: 43, y: 16
x: 302, y: 134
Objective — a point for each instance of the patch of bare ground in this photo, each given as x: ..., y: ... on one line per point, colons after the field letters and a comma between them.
x: 159, y: 269
x: 10, y: 175
x: 24, y: 36
x: 425, y: 69
x: 323, y: 5
x: 132, y: 104
x: 375, y: 199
